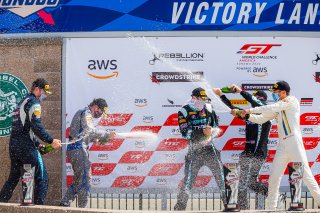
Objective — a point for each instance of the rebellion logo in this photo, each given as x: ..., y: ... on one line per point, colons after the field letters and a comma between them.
x: 316, y: 60
x: 99, y: 68
x: 253, y: 49
x: 178, y: 56
x: 25, y: 8
x: 12, y: 90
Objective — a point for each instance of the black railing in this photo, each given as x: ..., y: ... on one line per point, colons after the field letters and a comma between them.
x: 199, y: 200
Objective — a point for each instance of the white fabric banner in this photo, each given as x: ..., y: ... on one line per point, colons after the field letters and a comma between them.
x: 145, y: 81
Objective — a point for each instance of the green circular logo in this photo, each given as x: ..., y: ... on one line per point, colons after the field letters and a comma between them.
x: 12, y: 90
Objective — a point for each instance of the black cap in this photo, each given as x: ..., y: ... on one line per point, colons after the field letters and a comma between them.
x: 281, y: 85
x: 101, y: 103
x: 42, y: 84
x: 261, y: 93
x: 200, y: 92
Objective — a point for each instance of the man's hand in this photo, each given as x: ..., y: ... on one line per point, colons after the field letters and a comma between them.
x: 217, y: 91
x: 245, y: 112
x: 56, y: 144
x: 113, y: 134
x: 234, y: 112
x: 207, y: 131
x: 236, y: 88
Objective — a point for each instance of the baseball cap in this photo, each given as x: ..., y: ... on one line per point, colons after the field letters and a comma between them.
x: 101, y: 103
x: 281, y: 85
x: 260, y: 93
x: 200, y: 92
x: 42, y: 84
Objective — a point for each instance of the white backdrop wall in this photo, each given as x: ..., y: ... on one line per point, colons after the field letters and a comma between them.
x: 144, y: 83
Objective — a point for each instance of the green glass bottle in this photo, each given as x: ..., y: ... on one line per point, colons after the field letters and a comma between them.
x: 227, y: 89
x: 48, y: 148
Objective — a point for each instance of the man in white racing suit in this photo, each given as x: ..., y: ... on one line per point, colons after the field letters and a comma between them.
x: 290, y: 148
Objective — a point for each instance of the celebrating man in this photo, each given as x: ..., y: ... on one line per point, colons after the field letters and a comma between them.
x: 290, y: 147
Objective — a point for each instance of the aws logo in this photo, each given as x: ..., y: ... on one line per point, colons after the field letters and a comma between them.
x: 100, y: 69
x: 140, y: 102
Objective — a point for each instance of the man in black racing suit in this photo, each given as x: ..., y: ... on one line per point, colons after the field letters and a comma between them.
x: 198, y: 124
x: 256, y: 148
x: 23, y: 145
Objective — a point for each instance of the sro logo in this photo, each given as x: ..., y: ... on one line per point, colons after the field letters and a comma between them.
x: 256, y: 48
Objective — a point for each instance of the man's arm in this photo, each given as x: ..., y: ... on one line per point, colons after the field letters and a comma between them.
x: 183, y: 124
x: 224, y: 99
x: 227, y: 102
x: 252, y: 99
x: 262, y: 118
x: 36, y: 124
x: 91, y: 133
x: 276, y: 107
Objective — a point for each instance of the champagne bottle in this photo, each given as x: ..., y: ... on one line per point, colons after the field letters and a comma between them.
x: 44, y: 150
x: 238, y: 114
x: 227, y: 89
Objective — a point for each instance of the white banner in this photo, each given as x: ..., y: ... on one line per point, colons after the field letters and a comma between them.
x: 145, y: 81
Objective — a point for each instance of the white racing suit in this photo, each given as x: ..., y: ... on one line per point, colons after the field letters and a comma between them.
x: 290, y: 145
x: 83, y: 131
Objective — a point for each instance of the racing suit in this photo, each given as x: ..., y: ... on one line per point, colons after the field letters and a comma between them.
x: 23, y: 149
x: 201, y: 151
x: 254, y: 154
x: 82, y: 132
x: 290, y: 146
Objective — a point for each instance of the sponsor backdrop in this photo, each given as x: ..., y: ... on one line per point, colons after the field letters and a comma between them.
x: 147, y: 80
x: 25, y: 16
